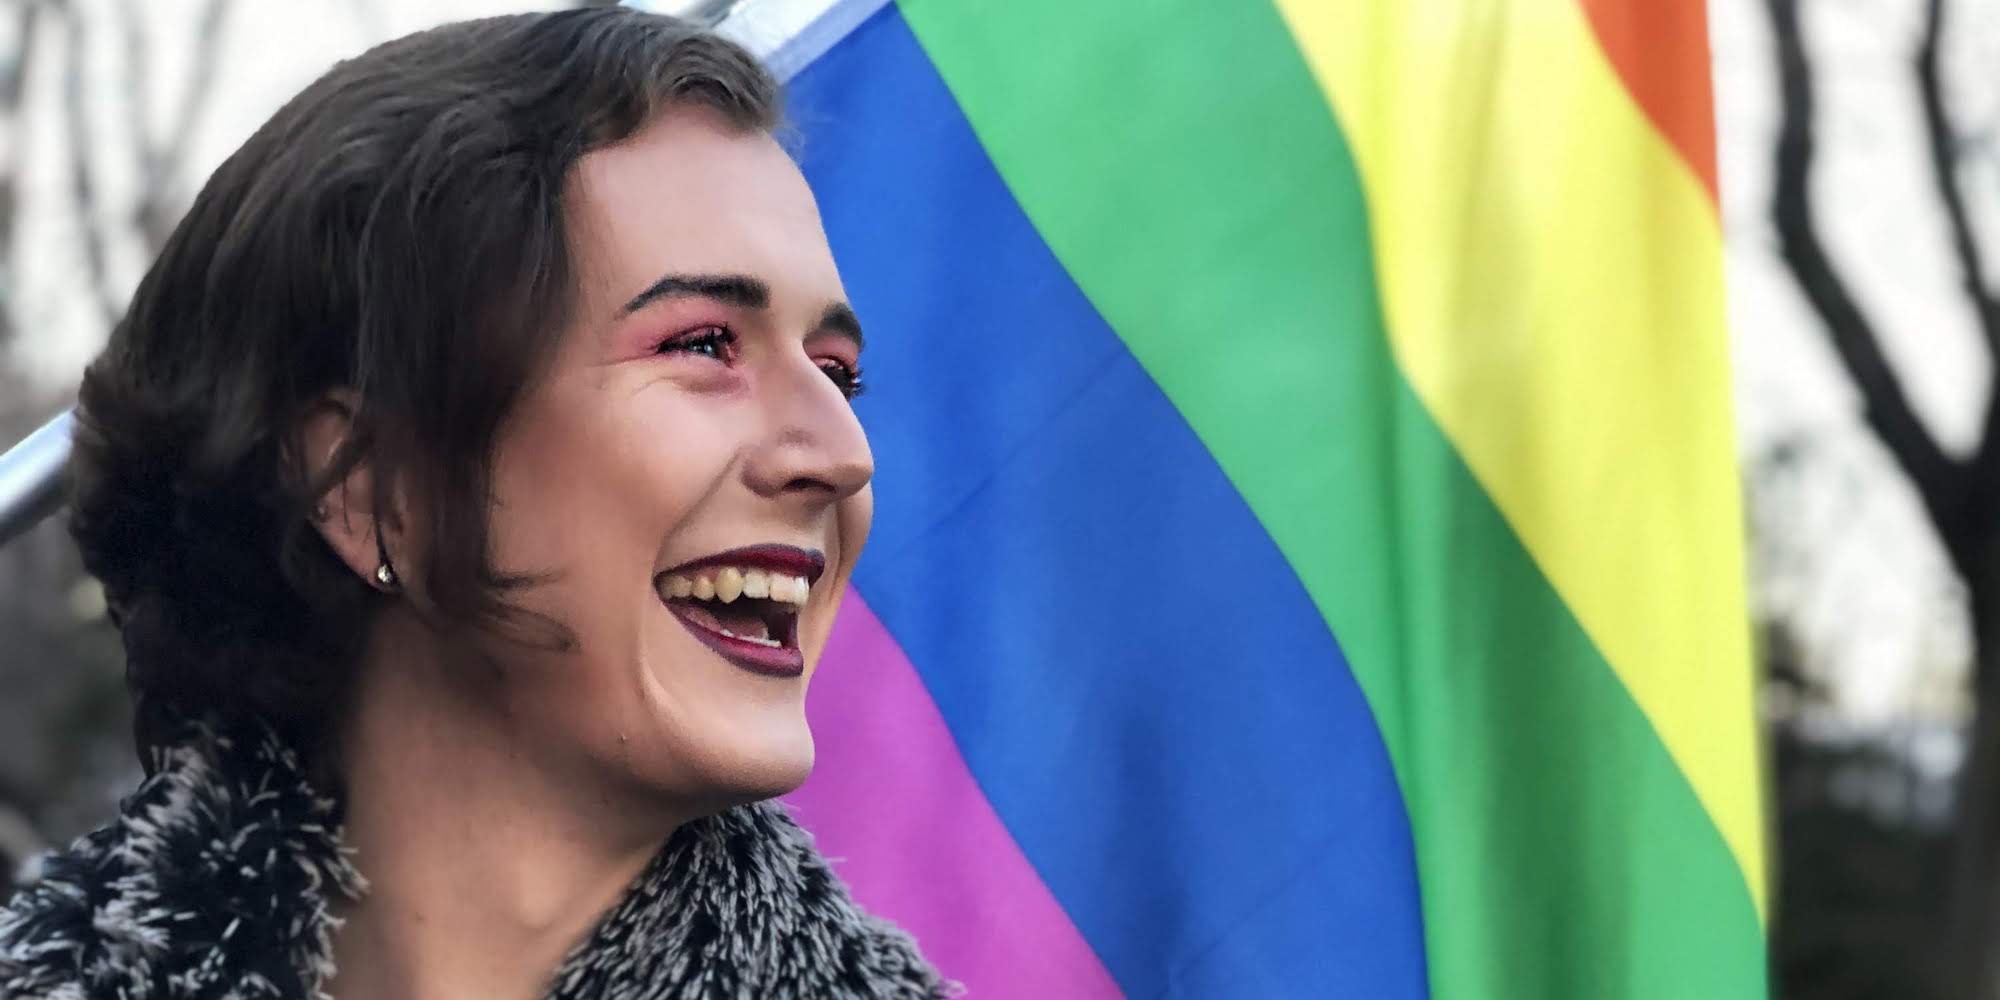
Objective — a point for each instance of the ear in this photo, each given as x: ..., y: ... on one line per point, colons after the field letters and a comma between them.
x: 345, y: 513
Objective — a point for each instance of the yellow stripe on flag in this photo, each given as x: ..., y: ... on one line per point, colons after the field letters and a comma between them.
x: 1552, y: 276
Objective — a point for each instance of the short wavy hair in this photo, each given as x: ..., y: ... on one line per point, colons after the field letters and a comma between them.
x: 395, y: 232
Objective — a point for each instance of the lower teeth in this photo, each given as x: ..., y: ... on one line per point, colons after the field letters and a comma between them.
x: 772, y: 643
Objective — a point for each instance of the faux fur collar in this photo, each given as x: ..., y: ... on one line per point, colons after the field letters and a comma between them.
x: 218, y: 878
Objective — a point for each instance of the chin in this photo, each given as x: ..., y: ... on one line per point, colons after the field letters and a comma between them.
x: 779, y: 771
x: 746, y: 763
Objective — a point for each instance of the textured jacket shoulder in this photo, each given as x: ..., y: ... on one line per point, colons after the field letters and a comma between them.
x: 220, y: 876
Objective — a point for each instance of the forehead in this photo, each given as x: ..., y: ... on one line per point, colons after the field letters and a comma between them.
x: 691, y: 193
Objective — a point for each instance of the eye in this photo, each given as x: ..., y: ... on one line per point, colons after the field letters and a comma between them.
x: 709, y: 341
x: 845, y: 377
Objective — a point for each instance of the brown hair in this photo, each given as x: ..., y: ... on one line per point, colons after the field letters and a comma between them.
x: 396, y: 231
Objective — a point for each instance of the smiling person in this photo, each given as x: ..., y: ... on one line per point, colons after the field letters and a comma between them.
x: 473, y: 481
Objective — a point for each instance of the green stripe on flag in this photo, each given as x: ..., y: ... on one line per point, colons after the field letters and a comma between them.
x: 1184, y: 167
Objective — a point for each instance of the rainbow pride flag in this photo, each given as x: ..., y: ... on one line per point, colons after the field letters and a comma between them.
x: 1307, y: 558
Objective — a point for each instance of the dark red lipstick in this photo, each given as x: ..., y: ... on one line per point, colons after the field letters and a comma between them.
x: 757, y: 633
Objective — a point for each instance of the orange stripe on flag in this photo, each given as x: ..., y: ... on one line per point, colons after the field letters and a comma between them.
x: 1660, y: 49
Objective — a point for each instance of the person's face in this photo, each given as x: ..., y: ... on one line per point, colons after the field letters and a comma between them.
x: 693, y: 442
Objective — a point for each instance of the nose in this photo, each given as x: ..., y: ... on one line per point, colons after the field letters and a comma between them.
x: 814, y: 448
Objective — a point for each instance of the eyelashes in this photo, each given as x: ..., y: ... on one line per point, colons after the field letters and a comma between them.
x: 845, y: 377
x: 719, y: 343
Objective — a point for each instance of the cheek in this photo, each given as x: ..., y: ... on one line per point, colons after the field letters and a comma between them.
x: 590, y: 495
x: 855, y: 515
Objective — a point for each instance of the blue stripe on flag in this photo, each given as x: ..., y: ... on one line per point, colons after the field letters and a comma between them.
x: 1135, y: 675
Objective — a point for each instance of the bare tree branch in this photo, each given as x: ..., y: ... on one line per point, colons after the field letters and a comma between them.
x: 1945, y: 149
x: 13, y: 79
x: 1940, y: 482
x: 164, y: 164
x: 1974, y: 912
x: 14, y: 75
x: 138, y: 77
x: 1958, y: 498
x: 82, y: 185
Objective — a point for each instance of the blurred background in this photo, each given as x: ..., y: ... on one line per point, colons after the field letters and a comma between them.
x: 1860, y: 170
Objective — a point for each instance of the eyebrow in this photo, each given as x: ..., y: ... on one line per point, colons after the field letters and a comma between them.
x: 732, y: 289
x: 744, y: 292
x: 839, y: 318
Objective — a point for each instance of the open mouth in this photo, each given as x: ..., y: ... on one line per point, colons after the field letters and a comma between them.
x: 745, y: 604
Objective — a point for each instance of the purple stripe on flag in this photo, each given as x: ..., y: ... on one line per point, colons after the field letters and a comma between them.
x: 891, y: 801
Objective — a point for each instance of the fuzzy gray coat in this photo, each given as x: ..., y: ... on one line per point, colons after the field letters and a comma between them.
x: 219, y: 876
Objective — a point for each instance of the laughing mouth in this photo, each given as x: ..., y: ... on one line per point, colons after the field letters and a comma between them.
x: 745, y: 604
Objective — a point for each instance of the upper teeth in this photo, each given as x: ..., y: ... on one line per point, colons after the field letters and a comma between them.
x: 727, y: 583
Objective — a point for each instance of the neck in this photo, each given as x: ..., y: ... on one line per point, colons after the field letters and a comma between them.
x: 486, y: 864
